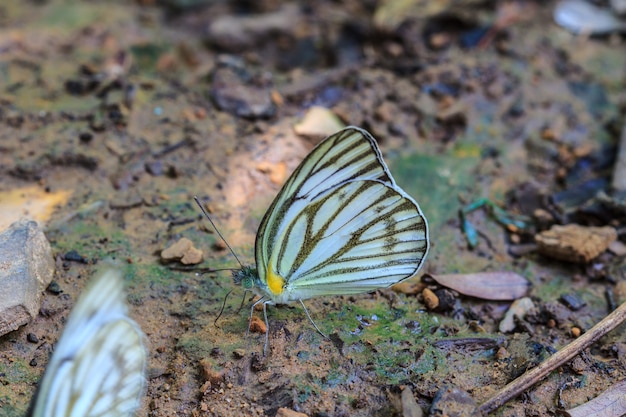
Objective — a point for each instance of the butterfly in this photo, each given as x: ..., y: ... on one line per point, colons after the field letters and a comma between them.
x: 340, y: 225
x: 97, y: 368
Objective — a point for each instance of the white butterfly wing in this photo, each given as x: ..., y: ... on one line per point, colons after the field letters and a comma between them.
x: 97, y: 368
x: 349, y: 154
x: 340, y: 224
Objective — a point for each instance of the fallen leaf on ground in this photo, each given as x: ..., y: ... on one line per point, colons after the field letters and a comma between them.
x: 184, y: 251
x: 575, y: 243
x: 486, y: 285
x: 277, y: 172
x: 318, y: 122
x: 518, y: 309
x: 611, y: 403
x: 286, y: 412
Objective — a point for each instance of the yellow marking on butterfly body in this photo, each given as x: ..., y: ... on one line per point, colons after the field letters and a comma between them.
x: 275, y: 282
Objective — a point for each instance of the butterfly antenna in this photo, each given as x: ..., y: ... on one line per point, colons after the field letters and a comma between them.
x: 221, y: 309
x: 216, y: 229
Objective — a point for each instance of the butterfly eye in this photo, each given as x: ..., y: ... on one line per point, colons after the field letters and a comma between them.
x: 247, y: 283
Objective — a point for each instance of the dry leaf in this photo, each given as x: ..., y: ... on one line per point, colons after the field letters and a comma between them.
x: 611, y: 403
x: 518, y: 309
x: 318, y: 122
x: 486, y: 285
x: 575, y: 243
x: 184, y: 251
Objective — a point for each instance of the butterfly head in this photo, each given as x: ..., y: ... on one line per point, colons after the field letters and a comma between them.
x: 247, y: 277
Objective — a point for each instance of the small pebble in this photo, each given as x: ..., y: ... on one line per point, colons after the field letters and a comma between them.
x: 286, y: 412
x: 578, y: 365
x: 74, y: 256
x: 452, y: 401
x: 184, y: 251
x: 257, y: 325
x: 573, y: 301
x: 408, y: 287
x: 154, y: 168
x: 54, y: 288
x: 32, y: 338
x: 430, y: 299
x: 209, y: 374
x: 410, y: 408
x: 447, y: 299
x: 85, y: 137
x: 502, y: 353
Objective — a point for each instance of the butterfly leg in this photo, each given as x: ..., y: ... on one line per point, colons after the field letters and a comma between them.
x: 243, y: 300
x: 260, y: 300
x: 311, y: 320
x: 267, y: 327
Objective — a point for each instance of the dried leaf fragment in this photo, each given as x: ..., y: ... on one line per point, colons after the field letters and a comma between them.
x: 318, y: 122
x: 287, y: 412
x: 486, y: 285
x: 611, y: 403
x: 575, y: 243
x: 518, y: 309
x: 184, y: 251
x: 277, y: 172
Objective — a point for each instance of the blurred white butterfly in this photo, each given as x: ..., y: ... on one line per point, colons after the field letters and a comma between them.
x: 97, y: 368
x: 340, y: 225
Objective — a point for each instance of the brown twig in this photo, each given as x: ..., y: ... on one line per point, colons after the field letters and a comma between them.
x: 519, y: 385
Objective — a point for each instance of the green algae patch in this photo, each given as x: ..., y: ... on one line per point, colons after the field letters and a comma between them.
x: 435, y: 183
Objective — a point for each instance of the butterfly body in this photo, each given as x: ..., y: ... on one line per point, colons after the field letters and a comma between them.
x: 340, y: 225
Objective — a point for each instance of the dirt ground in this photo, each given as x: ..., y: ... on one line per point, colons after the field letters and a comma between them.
x: 114, y: 115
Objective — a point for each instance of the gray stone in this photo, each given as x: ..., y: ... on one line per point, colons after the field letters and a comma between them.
x: 409, y: 405
x: 26, y: 269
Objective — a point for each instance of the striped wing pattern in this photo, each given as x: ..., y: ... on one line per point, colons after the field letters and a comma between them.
x: 97, y: 368
x: 340, y: 224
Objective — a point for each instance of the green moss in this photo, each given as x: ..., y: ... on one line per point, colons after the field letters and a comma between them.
x: 335, y: 376
x: 19, y: 372
x: 8, y: 410
x: 435, y: 182
x: 144, y: 275
x: 196, y: 347
x: 306, y: 386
